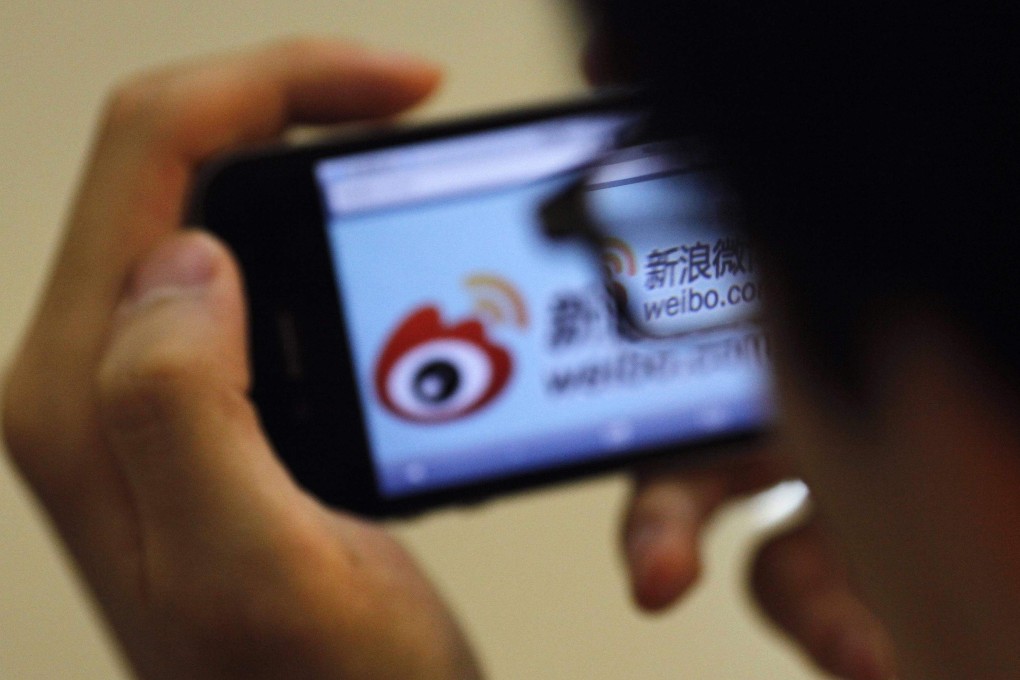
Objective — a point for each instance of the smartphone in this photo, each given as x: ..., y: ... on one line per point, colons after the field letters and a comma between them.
x: 421, y: 337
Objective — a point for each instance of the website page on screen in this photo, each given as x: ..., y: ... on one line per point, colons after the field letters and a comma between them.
x: 484, y: 348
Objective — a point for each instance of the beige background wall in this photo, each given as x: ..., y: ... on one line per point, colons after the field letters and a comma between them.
x: 536, y: 578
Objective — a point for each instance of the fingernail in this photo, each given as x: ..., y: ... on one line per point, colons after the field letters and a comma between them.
x: 182, y: 265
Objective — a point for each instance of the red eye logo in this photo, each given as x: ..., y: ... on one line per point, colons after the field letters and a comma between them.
x: 431, y: 373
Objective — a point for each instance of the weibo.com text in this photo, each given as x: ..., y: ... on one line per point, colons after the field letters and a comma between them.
x: 634, y: 366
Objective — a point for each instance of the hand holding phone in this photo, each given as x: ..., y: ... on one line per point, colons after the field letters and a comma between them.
x: 126, y: 407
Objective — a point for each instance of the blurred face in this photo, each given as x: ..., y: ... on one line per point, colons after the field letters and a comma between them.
x: 923, y: 490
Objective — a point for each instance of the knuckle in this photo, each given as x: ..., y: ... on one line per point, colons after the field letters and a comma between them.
x: 157, y: 106
x: 168, y: 385
x: 137, y: 391
x: 130, y: 101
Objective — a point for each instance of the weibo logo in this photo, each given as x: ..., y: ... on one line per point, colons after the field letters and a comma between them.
x: 431, y: 372
x: 618, y: 257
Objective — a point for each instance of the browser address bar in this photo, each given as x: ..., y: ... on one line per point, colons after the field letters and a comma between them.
x: 353, y: 184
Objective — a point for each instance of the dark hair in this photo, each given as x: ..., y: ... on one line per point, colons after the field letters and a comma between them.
x: 875, y: 144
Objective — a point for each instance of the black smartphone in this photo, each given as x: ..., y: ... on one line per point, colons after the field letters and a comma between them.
x: 421, y: 336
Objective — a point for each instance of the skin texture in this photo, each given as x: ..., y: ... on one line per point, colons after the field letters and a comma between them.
x: 126, y: 408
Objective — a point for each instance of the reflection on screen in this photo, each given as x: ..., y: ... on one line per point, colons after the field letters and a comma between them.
x: 483, y: 348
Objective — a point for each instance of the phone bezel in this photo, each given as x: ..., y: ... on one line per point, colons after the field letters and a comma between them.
x: 313, y: 415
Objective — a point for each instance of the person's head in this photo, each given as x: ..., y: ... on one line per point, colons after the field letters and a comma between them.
x: 874, y: 144
x: 875, y: 148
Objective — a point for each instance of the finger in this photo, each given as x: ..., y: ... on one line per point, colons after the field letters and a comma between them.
x: 174, y: 407
x: 158, y: 128
x: 667, y: 513
x: 802, y: 587
x: 661, y: 536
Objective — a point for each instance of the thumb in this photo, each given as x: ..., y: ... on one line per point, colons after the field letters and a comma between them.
x: 173, y: 395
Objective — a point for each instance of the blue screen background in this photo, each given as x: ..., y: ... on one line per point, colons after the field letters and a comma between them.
x: 569, y: 396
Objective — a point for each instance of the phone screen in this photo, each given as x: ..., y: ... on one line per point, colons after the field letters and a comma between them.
x: 484, y: 348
